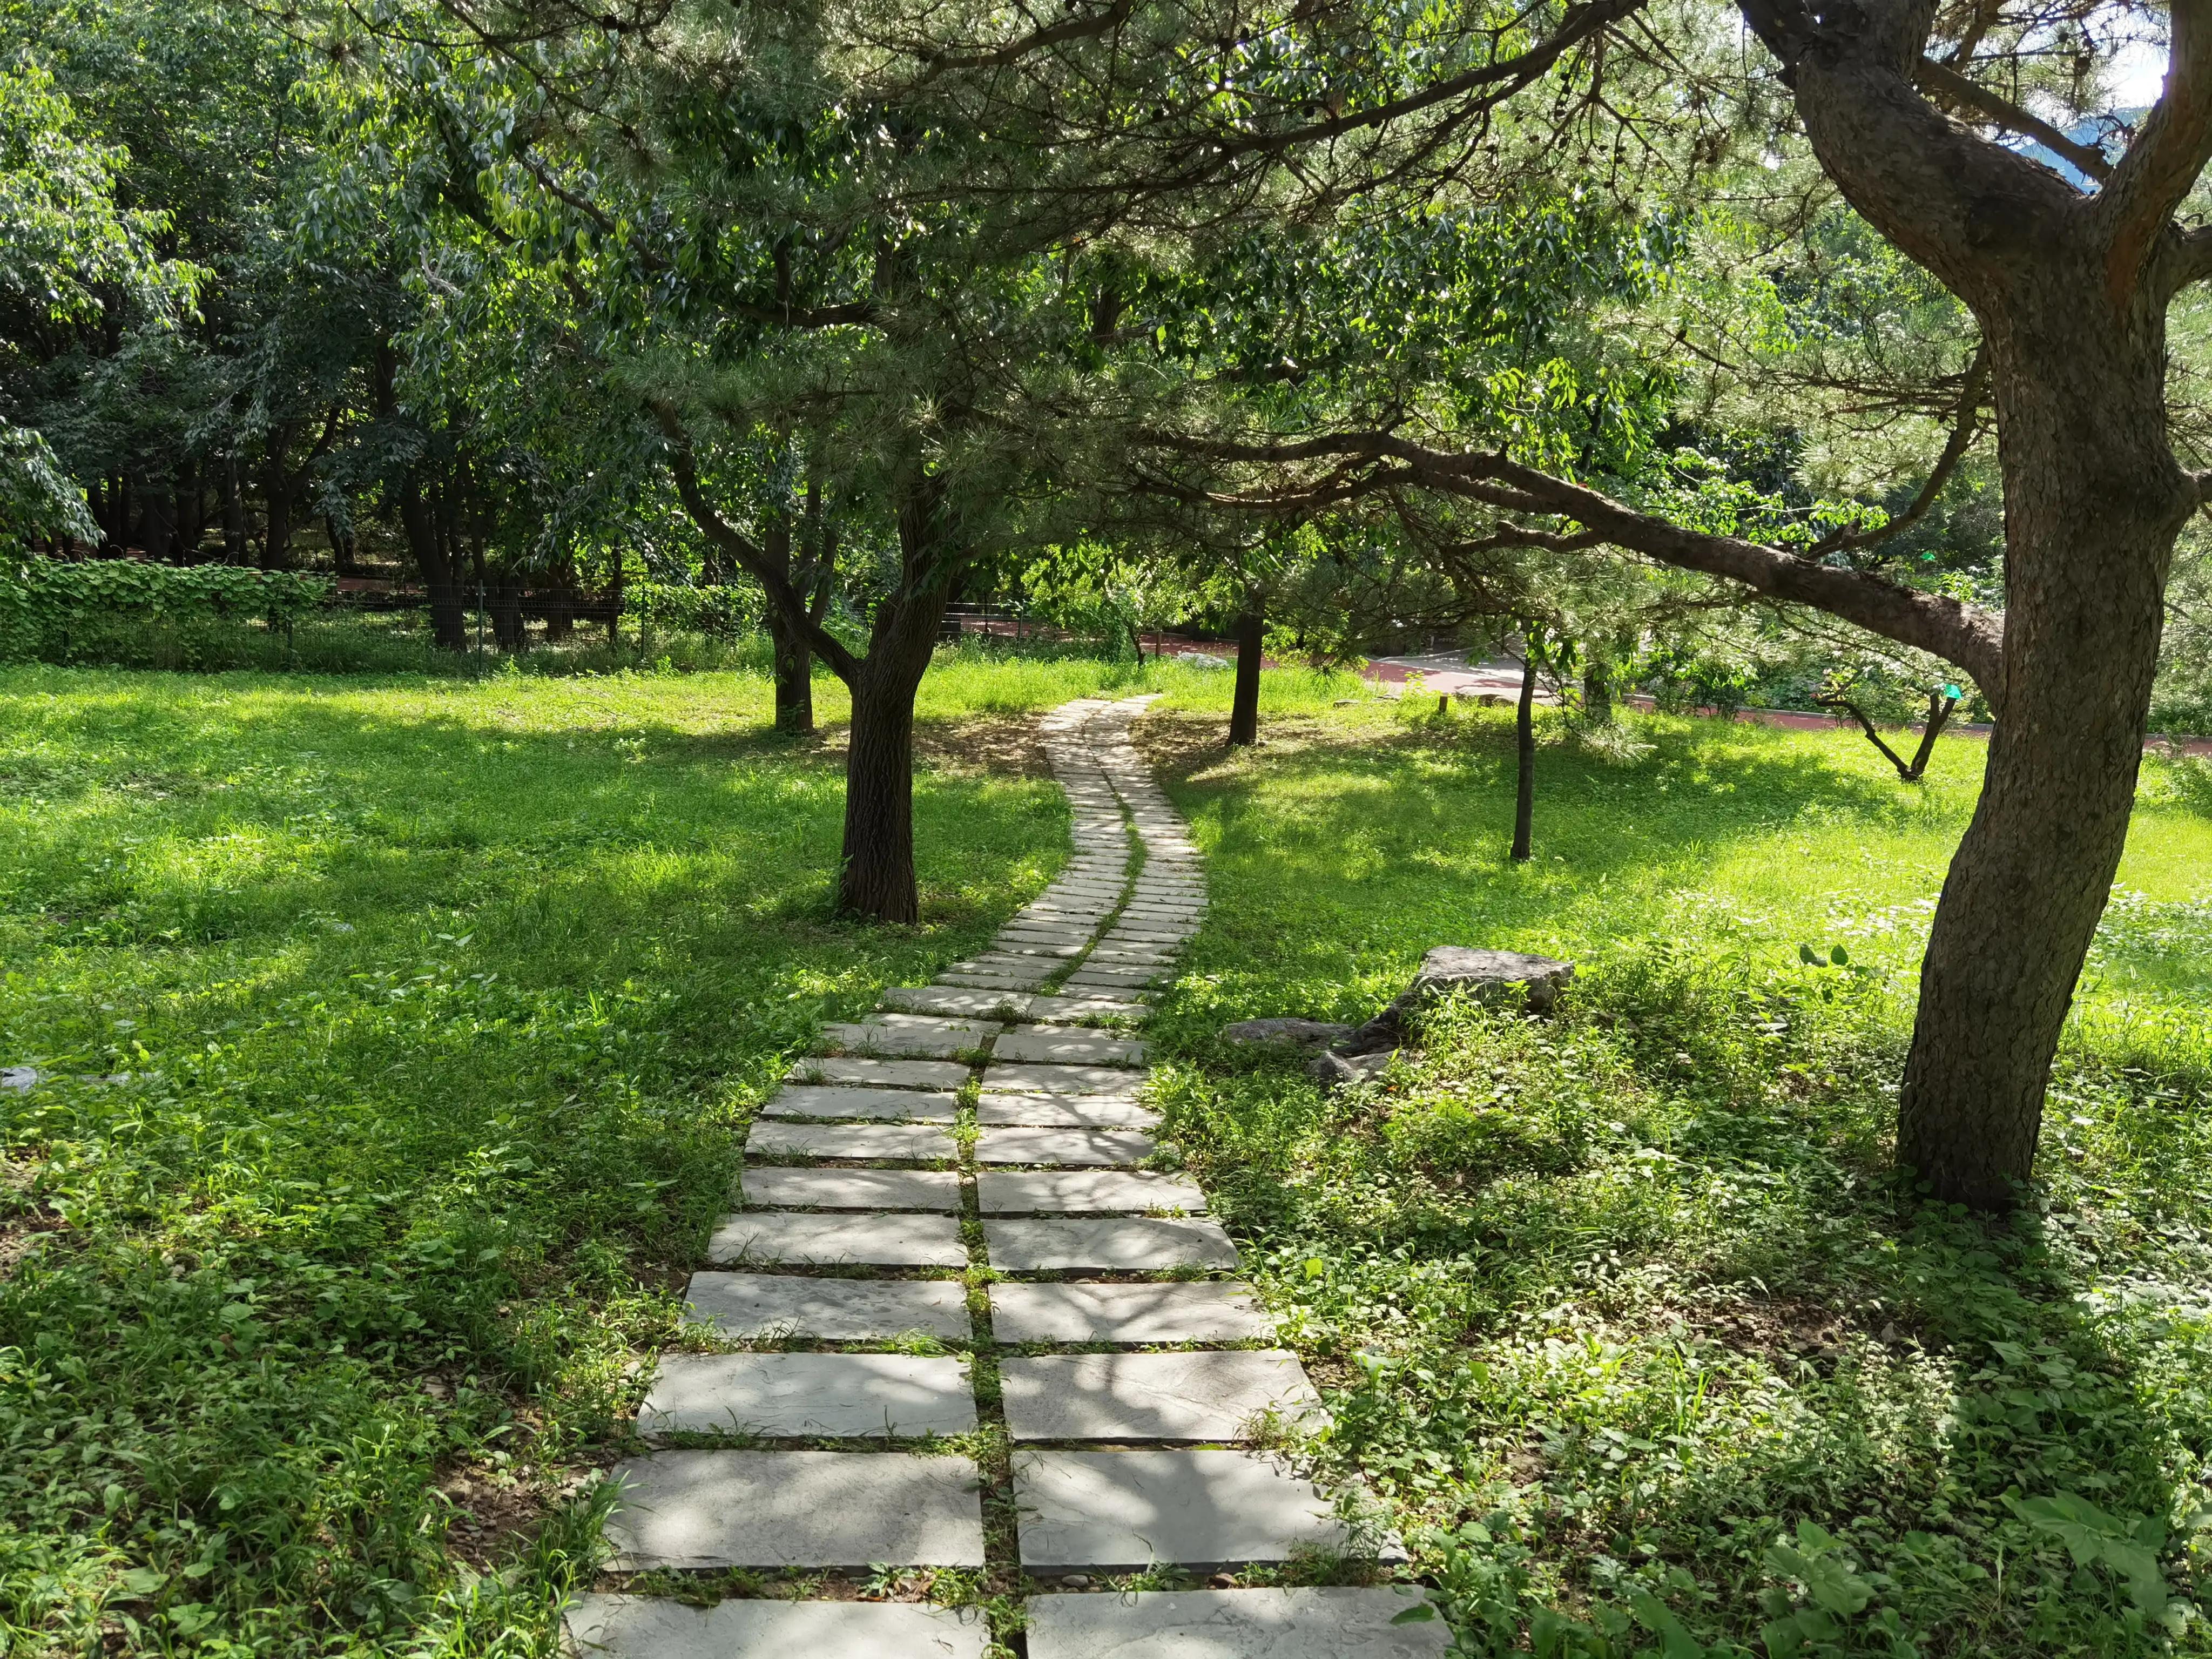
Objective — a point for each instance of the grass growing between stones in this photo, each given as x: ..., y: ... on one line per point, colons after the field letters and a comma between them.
x: 1621, y: 1313
x: 406, y: 1032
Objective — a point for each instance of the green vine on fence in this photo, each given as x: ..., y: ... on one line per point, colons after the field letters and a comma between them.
x: 44, y: 601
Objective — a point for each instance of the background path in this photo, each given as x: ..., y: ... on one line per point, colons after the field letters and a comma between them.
x: 973, y: 1169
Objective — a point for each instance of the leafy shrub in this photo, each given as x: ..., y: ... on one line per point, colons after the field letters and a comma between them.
x: 56, y: 610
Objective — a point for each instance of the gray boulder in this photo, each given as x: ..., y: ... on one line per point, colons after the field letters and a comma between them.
x: 1287, y: 1032
x: 1487, y: 975
x: 1334, y: 1071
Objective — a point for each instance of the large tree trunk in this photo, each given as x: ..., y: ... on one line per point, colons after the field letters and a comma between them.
x: 1524, y: 752
x: 2093, y: 500
x: 878, y: 879
x: 449, y: 623
x: 1251, y: 643
x: 794, y: 677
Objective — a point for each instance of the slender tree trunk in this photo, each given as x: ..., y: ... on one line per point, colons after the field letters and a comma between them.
x: 506, y: 611
x: 794, y: 658
x: 878, y: 876
x: 2093, y: 500
x: 1524, y: 748
x: 233, y: 513
x: 276, y: 494
x: 449, y: 627
x: 1251, y: 641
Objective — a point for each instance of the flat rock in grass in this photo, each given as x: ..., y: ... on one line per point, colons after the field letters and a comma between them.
x: 877, y: 1239
x: 773, y: 1186
x: 654, y: 1627
x: 1099, y: 1192
x: 1107, y: 975
x: 1174, y: 1311
x: 752, y: 1307
x: 703, y: 1511
x: 917, y: 1036
x: 1089, y: 1008
x: 1060, y: 1045
x: 879, y: 1073
x: 1129, y: 1509
x: 1132, y: 956
x: 1128, y: 1244
x: 849, y: 1100
x: 805, y: 1396
x: 1492, y: 976
x: 1065, y: 1111
x: 1337, y: 1622
x: 1288, y: 1032
x: 912, y: 1143
x: 1105, y: 1148
x: 1029, y: 1079
x: 1205, y: 1395
x: 1008, y: 1004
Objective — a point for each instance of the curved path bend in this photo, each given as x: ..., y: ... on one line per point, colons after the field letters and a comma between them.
x: 972, y: 1165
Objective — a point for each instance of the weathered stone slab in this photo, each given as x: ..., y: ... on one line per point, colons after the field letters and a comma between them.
x: 878, y: 1239
x: 995, y: 1004
x: 1192, y: 1508
x: 769, y: 1186
x: 1036, y: 963
x: 654, y: 1627
x: 1104, y: 1148
x: 1486, y: 975
x: 879, y: 1073
x: 914, y: 1143
x: 1341, y: 1622
x: 991, y: 981
x: 1029, y: 1079
x: 848, y: 1100
x: 751, y: 1307
x: 1152, y: 934
x: 1108, y: 973
x: 1065, y: 1111
x: 1172, y: 1311
x: 1118, y: 1007
x: 1097, y: 1192
x: 707, y: 1510
x: 1206, y: 1395
x: 1059, y: 1045
x: 1287, y: 1032
x: 805, y: 1396
x: 917, y: 1036
x: 1132, y: 956
x: 1134, y: 1245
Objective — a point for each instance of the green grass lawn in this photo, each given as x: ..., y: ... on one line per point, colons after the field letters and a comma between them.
x: 405, y: 1030
x: 1621, y: 1312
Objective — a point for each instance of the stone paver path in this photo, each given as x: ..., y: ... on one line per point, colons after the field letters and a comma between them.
x: 991, y: 1129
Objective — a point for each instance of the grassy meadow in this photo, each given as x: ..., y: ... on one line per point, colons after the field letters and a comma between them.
x: 402, y: 1032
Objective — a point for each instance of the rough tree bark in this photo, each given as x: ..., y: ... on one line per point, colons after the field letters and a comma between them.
x: 1524, y: 755
x: 1251, y: 642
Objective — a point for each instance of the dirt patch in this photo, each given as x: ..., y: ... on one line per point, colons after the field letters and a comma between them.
x: 492, y: 1517
x: 999, y: 745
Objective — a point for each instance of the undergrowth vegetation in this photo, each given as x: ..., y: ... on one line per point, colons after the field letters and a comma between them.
x: 1622, y: 1311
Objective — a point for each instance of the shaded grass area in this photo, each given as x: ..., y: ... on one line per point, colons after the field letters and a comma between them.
x: 402, y: 1035
x: 1622, y: 1312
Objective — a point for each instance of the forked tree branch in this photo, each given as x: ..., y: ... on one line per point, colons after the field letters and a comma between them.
x: 1966, y: 427
x: 1943, y: 78
x: 2171, y: 149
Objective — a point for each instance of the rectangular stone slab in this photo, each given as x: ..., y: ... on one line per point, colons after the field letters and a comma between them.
x: 1172, y: 1311
x: 1090, y: 1008
x: 1102, y: 1191
x: 749, y: 1307
x: 1341, y: 1622
x: 1028, y: 1080
x: 1061, y: 1045
x: 1207, y: 1396
x: 850, y: 1100
x: 877, y: 1239
x: 1133, y: 1244
x: 938, y: 1039
x: 879, y: 1073
x: 1084, y: 1509
x: 768, y: 1186
x: 1126, y: 953
x: 805, y: 1396
x: 916, y: 1143
x: 991, y: 982
x: 654, y: 1627
x: 1101, y: 1148
x: 1008, y: 1004
x: 700, y: 1510
x: 1110, y: 974
x: 1066, y: 1111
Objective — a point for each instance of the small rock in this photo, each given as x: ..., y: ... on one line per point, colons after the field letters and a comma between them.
x: 1290, y: 1032
x: 1076, y: 1580
x: 1334, y: 1071
x: 1486, y: 975
x: 1223, y: 1581
x: 20, y: 1078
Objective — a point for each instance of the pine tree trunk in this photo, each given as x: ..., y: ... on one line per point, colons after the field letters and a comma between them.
x: 1524, y: 748
x: 794, y: 677
x: 2093, y: 500
x: 878, y: 879
x: 1251, y: 642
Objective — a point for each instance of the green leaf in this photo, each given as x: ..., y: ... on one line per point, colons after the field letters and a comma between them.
x: 1419, y: 1613
x: 1839, y: 956
x: 1808, y: 956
